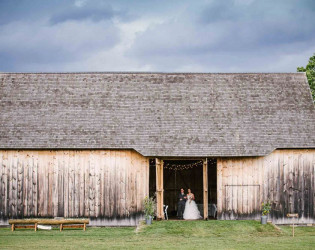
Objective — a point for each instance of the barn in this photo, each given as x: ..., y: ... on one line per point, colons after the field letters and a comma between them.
x: 95, y: 144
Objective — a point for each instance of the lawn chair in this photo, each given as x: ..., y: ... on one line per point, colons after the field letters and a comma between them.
x: 213, y: 210
x: 165, y: 212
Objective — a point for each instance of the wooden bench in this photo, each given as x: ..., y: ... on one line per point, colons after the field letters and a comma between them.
x: 64, y: 223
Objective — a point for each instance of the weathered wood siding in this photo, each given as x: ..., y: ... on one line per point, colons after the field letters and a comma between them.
x: 285, y: 177
x: 107, y: 186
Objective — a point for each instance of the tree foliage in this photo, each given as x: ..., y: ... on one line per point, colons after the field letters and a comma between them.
x: 310, y: 74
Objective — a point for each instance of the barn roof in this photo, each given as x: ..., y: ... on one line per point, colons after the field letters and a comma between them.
x: 157, y: 114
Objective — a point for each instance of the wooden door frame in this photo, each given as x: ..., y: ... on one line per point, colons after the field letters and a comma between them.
x: 160, y: 188
x: 205, y: 189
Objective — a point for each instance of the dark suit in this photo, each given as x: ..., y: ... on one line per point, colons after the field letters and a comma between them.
x: 181, y: 205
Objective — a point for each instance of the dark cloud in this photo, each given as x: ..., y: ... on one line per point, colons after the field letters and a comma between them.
x: 53, y: 46
x: 158, y: 35
x: 233, y: 30
x: 29, y: 10
x: 91, y: 10
x: 221, y: 11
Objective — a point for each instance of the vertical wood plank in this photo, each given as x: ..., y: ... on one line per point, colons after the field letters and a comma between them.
x: 80, y: 184
x: 307, y: 200
x: 295, y: 183
x: 55, y: 173
x: 225, y: 191
x: 123, y: 183
x: 35, y: 183
x: 61, y: 176
x: 81, y: 197
x: 234, y: 172
x: 286, y: 185
x: 107, y: 183
x: 128, y: 180
x: 40, y: 184
x: 228, y: 189
x: 71, y: 183
x: 25, y: 189
x: 117, y: 182
x: 291, y: 184
x: 133, y: 176
x: 30, y: 162
x: 239, y: 188
x: 20, y: 170
x: 6, y: 164
x: 2, y: 215
x: 276, y: 180
x: 87, y: 184
x: 46, y: 182
x: 250, y: 187
x: 260, y: 173
x: 138, y: 186
x: 98, y: 184
x: 147, y: 177
x: 301, y: 186
x: 14, y: 186
x: 205, y: 189
x: 66, y: 183
x: 281, y: 197
x: 102, y: 178
x: 77, y: 179
x: 313, y: 179
x: 112, y: 182
x: 159, y: 188
x: 255, y: 187
x: 245, y: 187
x: 219, y: 187
x: 10, y: 183
x: 92, y: 184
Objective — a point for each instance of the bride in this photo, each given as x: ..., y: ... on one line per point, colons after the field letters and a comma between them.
x: 191, y: 210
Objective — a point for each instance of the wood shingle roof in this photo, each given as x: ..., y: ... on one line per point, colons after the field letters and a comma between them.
x: 157, y: 114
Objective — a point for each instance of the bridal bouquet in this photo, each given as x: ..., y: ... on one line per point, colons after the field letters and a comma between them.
x: 189, y: 199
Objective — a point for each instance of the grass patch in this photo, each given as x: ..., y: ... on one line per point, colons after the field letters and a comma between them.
x: 166, y: 235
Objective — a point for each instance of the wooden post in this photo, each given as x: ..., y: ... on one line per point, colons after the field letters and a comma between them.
x: 35, y: 227
x: 159, y: 188
x: 12, y: 227
x: 293, y: 229
x: 205, y: 189
x: 84, y: 228
x: 60, y: 227
x: 293, y: 216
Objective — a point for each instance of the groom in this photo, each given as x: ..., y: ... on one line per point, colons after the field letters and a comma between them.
x: 181, y: 203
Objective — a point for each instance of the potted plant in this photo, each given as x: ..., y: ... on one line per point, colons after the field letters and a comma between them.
x: 149, y: 209
x: 266, y: 207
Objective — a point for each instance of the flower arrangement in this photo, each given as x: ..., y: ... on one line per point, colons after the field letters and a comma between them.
x: 266, y: 207
x: 149, y: 205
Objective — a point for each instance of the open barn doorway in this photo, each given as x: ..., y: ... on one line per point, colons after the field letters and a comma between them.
x: 177, y: 174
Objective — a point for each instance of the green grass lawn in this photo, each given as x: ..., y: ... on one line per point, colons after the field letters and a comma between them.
x: 165, y: 235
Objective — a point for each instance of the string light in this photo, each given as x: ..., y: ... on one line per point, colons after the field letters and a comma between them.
x: 177, y: 167
x: 184, y: 166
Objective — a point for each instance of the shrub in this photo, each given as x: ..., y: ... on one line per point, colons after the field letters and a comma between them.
x: 149, y: 205
x: 266, y: 207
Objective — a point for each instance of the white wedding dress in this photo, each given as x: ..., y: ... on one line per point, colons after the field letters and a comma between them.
x: 191, y: 210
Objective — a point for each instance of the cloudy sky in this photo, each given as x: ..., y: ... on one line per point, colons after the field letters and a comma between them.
x: 156, y: 35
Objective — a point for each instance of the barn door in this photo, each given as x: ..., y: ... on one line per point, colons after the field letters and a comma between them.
x: 205, y: 189
x: 159, y: 189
